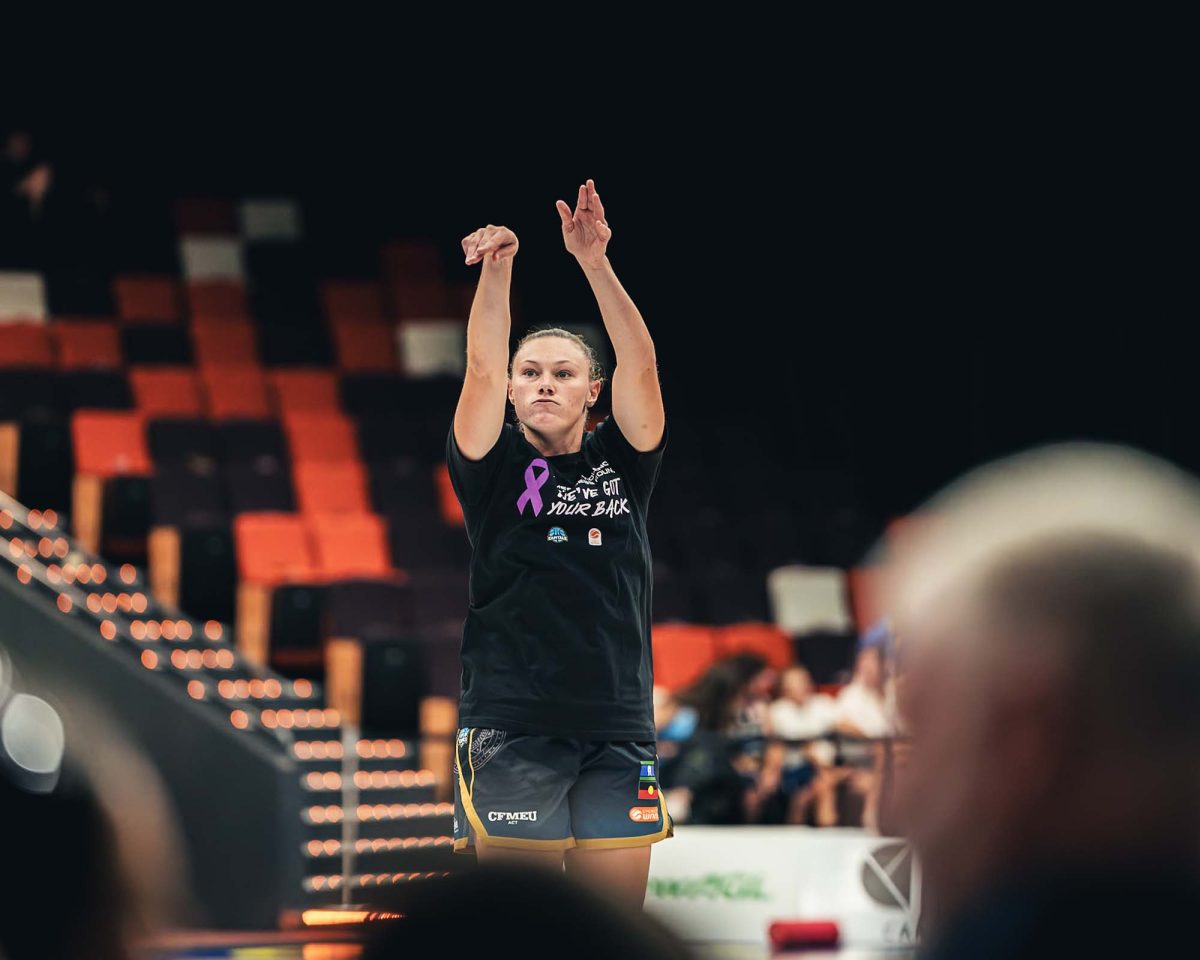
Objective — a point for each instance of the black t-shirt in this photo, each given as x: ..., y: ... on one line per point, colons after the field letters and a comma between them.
x: 557, y: 633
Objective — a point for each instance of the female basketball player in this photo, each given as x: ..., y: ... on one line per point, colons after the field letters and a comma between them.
x: 556, y: 758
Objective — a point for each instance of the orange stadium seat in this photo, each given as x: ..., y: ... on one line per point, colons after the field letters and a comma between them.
x: 321, y: 436
x: 303, y: 389
x: 682, y: 652
x: 352, y: 302
x: 449, y: 507
x: 864, y: 595
x: 26, y: 345
x: 235, y: 391
x: 331, y: 487
x: 765, y: 639
x: 350, y: 545
x: 273, y: 548
x: 87, y: 344
x: 110, y: 443
x: 224, y: 342
x: 147, y: 298
x: 364, y: 346
x: 217, y: 300
x: 166, y: 391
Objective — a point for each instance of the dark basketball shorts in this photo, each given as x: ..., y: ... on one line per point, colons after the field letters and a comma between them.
x: 554, y: 793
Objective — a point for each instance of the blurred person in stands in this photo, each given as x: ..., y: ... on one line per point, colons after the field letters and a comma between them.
x: 714, y: 778
x: 804, y: 775
x: 862, y: 715
x: 506, y: 909
x: 556, y: 758
x: 1051, y: 620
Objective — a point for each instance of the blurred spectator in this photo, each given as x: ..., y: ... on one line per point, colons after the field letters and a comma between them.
x: 703, y: 785
x: 804, y: 775
x: 505, y: 909
x: 1052, y: 689
x: 861, y: 711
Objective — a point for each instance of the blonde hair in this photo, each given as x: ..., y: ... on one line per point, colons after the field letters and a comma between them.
x: 595, y: 370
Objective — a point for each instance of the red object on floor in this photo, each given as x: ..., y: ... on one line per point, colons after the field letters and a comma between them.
x: 785, y: 934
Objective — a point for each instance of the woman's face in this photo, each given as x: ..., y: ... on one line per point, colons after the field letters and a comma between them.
x: 549, y: 387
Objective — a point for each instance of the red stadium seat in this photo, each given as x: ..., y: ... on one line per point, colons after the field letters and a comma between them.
x: 110, y: 443
x: 26, y: 345
x: 350, y: 545
x: 148, y: 298
x: 303, y: 389
x: 764, y: 639
x: 408, y: 260
x: 364, y: 346
x: 217, y: 300
x: 351, y: 302
x: 336, y: 487
x: 166, y: 391
x: 235, y: 392
x: 864, y: 595
x: 87, y: 344
x: 273, y: 548
x: 449, y: 507
x: 682, y: 652
x: 224, y: 342
x: 320, y: 436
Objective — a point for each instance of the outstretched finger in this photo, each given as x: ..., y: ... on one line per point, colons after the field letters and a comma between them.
x: 564, y: 212
x: 582, y: 202
x: 597, y: 206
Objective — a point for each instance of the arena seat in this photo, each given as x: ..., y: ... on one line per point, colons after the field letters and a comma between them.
x: 421, y: 540
x: 26, y: 345
x: 807, y: 599
x: 235, y: 392
x: 217, y: 300
x: 364, y: 346
x: 432, y: 346
x: 303, y: 389
x: 245, y: 440
x: 225, y: 341
x: 681, y: 652
x: 270, y: 219
x: 211, y: 257
x: 262, y: 484
x: 87, y: 344
x: 110, y: 442
x: 331, y: 487
x: 182, y: 441
x: 100, y: 389
x: 349, y: 545
x: 352, y: 302
x: 403, y: 260
x: 402, y: 484
x: 273, y: 548
x: 166, y: 391
x: 205, y: 216
x: 147, y: 299
x: 74, y: 292
x: 156, y: 343
x: 764, y: 639
x: 321, y: 436
x: 22, y: 296
x: 449, y: 506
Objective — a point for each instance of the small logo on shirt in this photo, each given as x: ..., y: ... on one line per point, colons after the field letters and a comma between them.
x: 643, y: 814
x: 594, y: 536
x: 647, y: 770
x: 511, y: 817
x: 557, y: 535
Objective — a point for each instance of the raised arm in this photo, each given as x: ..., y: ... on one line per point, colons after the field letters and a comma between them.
x: 636, y: 396
x: 479, y: 416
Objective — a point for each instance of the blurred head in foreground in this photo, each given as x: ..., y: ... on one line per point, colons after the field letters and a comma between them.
x: 506, y: 907
x: 1050, y: 612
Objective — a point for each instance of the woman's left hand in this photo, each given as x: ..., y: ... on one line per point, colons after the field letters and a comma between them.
x: 585, y: 231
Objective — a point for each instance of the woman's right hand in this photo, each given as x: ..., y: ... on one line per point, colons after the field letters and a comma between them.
x: 491, y: 242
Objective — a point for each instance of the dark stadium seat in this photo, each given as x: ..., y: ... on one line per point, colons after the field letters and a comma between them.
x: 126, y: 518
x: 420, y: 540
x: 244, y: 440
x: 402, y: 484
x: 364, y: 346
x: 182, y: 441
x: 46, y: 460
x: 208, y: 572
x: 263, y: 483
x: 352, y: 301
x: 296, y: 645
x: 368, y: 609
x: 23, y: 392
x: 94, y: 389
x: 79, y: 292
x: 184, y: 497
x: 150, y: 343
x: 281, y: 346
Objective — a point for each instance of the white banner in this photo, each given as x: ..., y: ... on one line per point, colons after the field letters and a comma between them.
x: 730, y: 883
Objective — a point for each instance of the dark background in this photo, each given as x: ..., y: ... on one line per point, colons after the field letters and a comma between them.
x: 886, y: 287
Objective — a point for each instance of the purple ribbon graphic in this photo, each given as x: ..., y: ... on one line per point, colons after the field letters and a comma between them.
x: 533, y: 483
